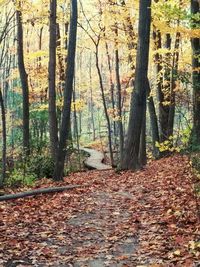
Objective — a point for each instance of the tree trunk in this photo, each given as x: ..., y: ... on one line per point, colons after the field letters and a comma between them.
x: 138, y: 98
x: 119, y: 100
x: 131, y: 36
x: 104, y: 105
x: 24, y: 82
x: 173, y: 79
x: 65, y: 122
x: 91, y: 101
x: 111, y: 88
x: 3, y: 119
x: 142, y: 149
x: 53, y: 124
x: 195, y: 8
x: 154, y: 122
x: 60, y: 61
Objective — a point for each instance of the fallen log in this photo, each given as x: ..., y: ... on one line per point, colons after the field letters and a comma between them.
x: 38, y: 192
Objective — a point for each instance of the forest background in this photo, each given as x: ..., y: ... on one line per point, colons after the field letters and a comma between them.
x: 68, y: 76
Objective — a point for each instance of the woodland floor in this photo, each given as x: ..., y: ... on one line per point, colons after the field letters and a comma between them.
x: 146, y: 218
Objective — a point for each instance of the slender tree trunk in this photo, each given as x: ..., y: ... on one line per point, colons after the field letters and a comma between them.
x: 138, y: 99
x: 3, y: 119
x: 154, y: 123
x: 119, y: 100
x: 24, y: 82
x: 111, y: 88
x: 76, y: 135
x: 91, y: 101
x: 166, y: 96
x: 53, y: 124
x: 104, y: 105
x: 131, y: 36
x: 142, y: 149
x: 195, y: 8
x: 65, y: 122
x: 40, y: 47
x: 173, y: 79
x: 60, y: 61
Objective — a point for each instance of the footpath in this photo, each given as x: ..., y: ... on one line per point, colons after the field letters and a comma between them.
x: 148, y: 218
x: 95, y: 160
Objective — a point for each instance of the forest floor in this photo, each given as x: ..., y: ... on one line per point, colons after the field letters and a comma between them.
x: 146, y: 218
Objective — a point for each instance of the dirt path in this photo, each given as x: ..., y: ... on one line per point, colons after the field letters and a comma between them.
x: 94, y: 161
x: 145, y: 218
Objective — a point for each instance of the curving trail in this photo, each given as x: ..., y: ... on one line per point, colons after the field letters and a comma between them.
x: 94, y: 161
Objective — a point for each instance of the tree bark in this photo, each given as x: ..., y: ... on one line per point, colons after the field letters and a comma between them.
x: 173, y: 79
x: 60, y: 61
x: 142, y: 150
x: 53, y: 124
x: 138, y: 98
x: 3, y: 119
x: 154, y: 122
x: 195, y: 8
x: 119, y: 99
x: 24, y: 82
x: 65, y: 122
x: 91, y: 103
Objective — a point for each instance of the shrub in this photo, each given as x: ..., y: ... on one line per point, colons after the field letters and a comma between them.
x: 195, y: 161
x: 41, y: 166
x: 18, y: 178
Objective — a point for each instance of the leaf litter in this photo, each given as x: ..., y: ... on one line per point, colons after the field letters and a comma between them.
x: 146, y: 218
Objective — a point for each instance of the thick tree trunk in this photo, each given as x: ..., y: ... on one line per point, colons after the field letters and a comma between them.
x: 3, y: 119
x: 53, y: 124
x: 65, y: 123
x: 195, y: 8
x: 138, y: 100
x: 24, y: 82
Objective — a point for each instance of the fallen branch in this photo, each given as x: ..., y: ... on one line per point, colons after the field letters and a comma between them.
x: 38, y: 192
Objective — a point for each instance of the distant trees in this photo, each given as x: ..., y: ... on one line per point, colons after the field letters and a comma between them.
x: 96, y: 39
x: 137, y: 119
x: 40, y: 81
x: 5, y: 65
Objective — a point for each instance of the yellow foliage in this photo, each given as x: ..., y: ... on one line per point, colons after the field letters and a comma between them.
x: 37, y: 54
x: 78, y: 105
